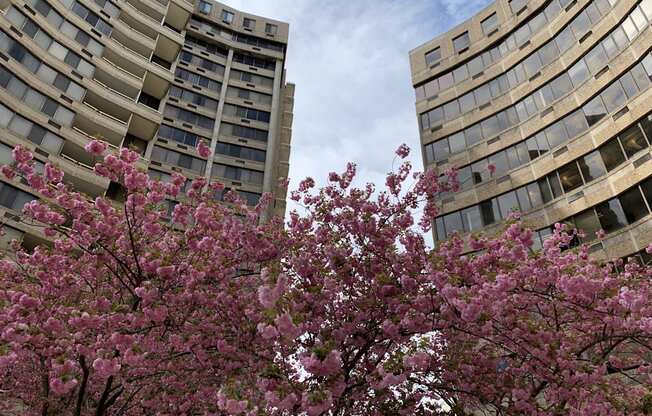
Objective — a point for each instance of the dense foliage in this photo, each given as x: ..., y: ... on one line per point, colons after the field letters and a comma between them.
x: 146, y: 307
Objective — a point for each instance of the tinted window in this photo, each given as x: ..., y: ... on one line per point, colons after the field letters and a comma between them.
x: 632, y: 140
x: 611, y: 154
x: 592, y: 166
x: 433, y: 56
x: 461, y: 42
x: 611, y: 215
x: 633, y: 205
x: 588, y: 223
x: 508, y: 203
x: 613, y: 96
x: 490, y: 23
x: 570, y: 177
x: 594, y: 110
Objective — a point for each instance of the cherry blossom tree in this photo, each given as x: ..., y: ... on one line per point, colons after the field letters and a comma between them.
x: 170, y: 303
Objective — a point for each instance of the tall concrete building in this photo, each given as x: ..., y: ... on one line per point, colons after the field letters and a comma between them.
x: 155, y: 75
x: 544, y: 107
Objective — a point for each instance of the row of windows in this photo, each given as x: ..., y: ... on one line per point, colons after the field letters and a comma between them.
x: 13, y: 198
x: 228, y: 16
x: 34, y: 99
x: 157, y: 175
x: 206, y: 46
x: 251, y: 78
x: 251, y: 198
x: 178, y: 135
x: 241, y: 152
x: 89, y: 16
x: 259, y: 98
x: 193, y: 97
x: 171, y: 157
x: 557, y: 183
x: 636, y: 79
x: 238, y: 37
x: 198, y: 79
x: 596, y: 58
x: 254, y: 61
x: 44, y: 72
x: 188, y: 117
x: 33, y: 132
x: 237, y: 174
x: 68, y: 29
x: 108, y: 7
x: 234, y: 130
x: 192, y: 59
x: 478, y: 64
x: 248, y: 113
x: 45, y: 41
x: 575, y: 123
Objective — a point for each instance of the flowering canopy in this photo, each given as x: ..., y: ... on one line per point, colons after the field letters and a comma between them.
x: 147, y: 307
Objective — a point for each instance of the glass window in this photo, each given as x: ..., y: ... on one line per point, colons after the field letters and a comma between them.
x: 629, y: 85
x: 522, y: 151
x: 499, y: 160
x: 271, y: 29
x: 522, y: 35
x: 451, y: 110
x: 441, y: 231
x: 592, y: 166
x: 445, y: 81
x: 638, y: 18
x: 490, y: 23
x: 580, y: 25
x: 460, y: 74
x: 611, y: 154
x: 473, y: 134
x: 456, y: 142
x: 542, y: 143
x: 5, y: 115
x: 440, y: 149
x: 227, y: 16
x: 490, y: 127
x: 620, y: 38
x: 535, y: 194
x: 570, y: 177
x: 588, y: 222
x: 480, y: 171
x: 532, y: 64
x: 544, y: 189
x: 475, y: 66
x: 646, y: 6
x: 561, y: 85
x: 646, y: 124
x: 593, y: 13
x: 453, y: 222
x: 489, y: 211
x: 556, y: 134
x: 594, y: 110
x: 632, y: 140
x: 433, y: 56
x: 630, y: 28
x: 578, y: 73
x: 20, y: 126
x: 508, y: 203
x: 532, y: 148
x: 467, y: 102
x: 633, y: 205
x: 461, y: 42
x: 640, y: 76
x: 596, y: 59
x: 512, y: 157
x: 482, y: 95
x: 565, y: 39
x: 646, y: 186
x: 611, y: 215
x: 548, y: 53
x: 471, y: 218
x: 610, y: 47
x: 523, y: 198
x: 555, y: 185
x: 575, y: 123
x: 249, y: 23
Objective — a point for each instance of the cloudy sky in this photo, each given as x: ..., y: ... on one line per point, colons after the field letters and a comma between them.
x: 349, y: 60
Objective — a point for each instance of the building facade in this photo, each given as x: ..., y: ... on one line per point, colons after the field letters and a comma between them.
x: 544, y: 107
x: 154, y: 75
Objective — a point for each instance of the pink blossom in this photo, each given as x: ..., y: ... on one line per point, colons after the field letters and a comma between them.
x: 22, y: 154
x: 403, y: 151
x: 95, y: 147
x: 203, y: 149
x: 106, y: 368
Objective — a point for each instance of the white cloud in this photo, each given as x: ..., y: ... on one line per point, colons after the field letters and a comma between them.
x: 349, y: 59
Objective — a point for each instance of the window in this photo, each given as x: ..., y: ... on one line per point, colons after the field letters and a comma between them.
x: 588, y: 222
x: 594, y: 110
x: 613, y: 96
x: 578, y: 73
x: 611, y: 154
x: 611, y: 215
x: 646, y: 186
x: 433, y: 56
x: 462, y: 42
x: 507, y: 203
x: 592, y: 166
x: 243, y: 132
x: 633, y: 205
x: 238, y: 174
x: 249, y: 23
x: 632, y: 140
x: 570, y: 177
x: 171, y: 157
x: 517, y: 5
x: 490, y: 23
x: 227, y: 16
x: 271, y: 29
x: 240, y: 152
x: 14, y: 198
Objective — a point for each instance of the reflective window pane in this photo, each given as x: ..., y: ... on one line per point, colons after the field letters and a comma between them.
x: 570, y: 177
x: 632, y: 140
x: 633, y: 205
x: 611, y: 215
x: 592, y: 166
x: 611, y: 154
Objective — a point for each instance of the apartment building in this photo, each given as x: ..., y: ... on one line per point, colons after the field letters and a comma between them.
x: 154, y: 75
x: 545, y: 107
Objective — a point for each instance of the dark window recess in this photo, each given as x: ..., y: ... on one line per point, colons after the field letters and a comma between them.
x: 162, y: 62
x: 137, y: 144
x: 149, y: 100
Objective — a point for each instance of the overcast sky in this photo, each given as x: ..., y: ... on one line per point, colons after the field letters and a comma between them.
x: 349, y: 61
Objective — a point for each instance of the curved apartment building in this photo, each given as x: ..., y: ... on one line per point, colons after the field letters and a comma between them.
x: 155, y: 75
x: 543, y: 107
